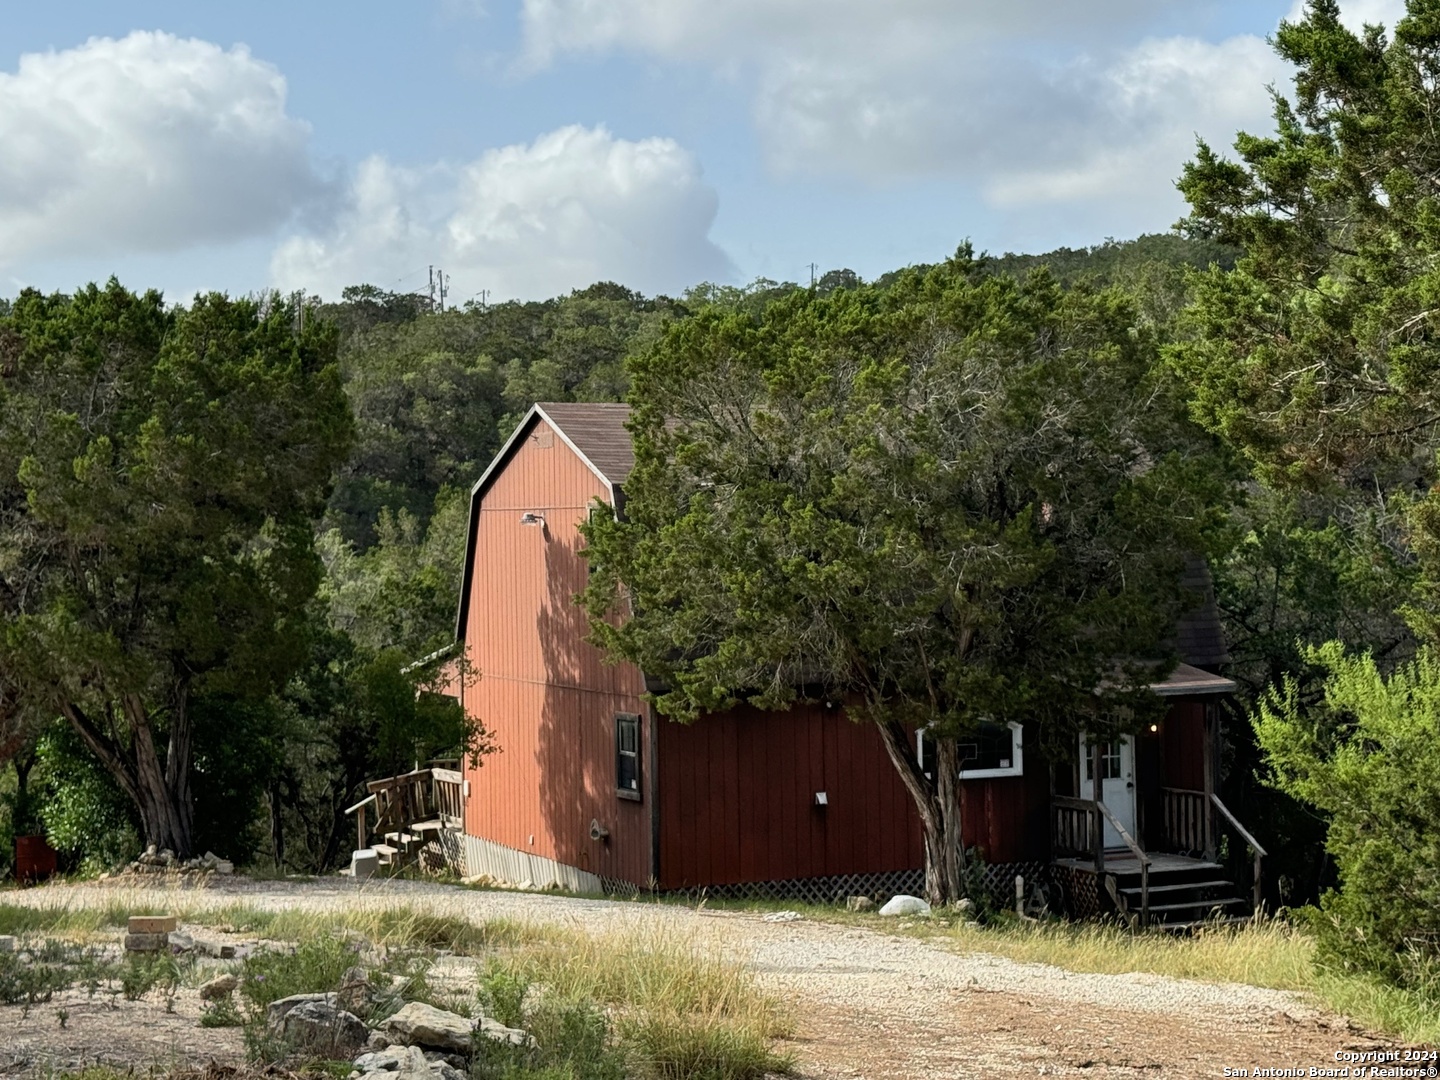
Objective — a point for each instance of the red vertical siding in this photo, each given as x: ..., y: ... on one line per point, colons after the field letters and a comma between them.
x: 737, y: 799
x: 1182, y: 746
x: 545, y: 695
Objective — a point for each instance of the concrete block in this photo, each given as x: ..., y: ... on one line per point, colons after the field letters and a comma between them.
x: 147, y: 942
x: 364, y: 863
x: 7, y: 943
x: 152, y: 924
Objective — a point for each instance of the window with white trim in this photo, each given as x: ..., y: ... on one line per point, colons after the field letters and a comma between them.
x: 992, y: 749
x: 627, y: 755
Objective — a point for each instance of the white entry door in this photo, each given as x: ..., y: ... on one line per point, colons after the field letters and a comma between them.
x: 1117, y: 783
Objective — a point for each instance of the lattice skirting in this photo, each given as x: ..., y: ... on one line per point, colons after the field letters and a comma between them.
x: 1081, y: 892
x: 818, y: 890
x: 996, y: 881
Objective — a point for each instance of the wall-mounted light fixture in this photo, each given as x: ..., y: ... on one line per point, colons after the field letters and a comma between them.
x: 1154, y: 727
x: 532, y: 518
x: 822, y: 799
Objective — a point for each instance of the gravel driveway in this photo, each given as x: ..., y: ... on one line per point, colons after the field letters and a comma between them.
x: 876, y: 1005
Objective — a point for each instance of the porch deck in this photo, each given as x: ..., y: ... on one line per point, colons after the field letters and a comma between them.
x: 1123, y: 861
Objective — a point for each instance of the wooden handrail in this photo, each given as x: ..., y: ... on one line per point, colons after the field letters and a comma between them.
x: 1244, y: 833
x: 1260, y: 852
x: 1140, y: 857
x: 363, y: 802
x: 448, y: 776
x: 403, y: 780
x: 1071, y: 803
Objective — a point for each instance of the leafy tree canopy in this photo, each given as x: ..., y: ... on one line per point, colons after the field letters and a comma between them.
x: 1318, y: 355
x: 160, y: 471
x: 958, y: 498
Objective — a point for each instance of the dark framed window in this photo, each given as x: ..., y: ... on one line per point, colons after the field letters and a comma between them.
x: 627, y: 756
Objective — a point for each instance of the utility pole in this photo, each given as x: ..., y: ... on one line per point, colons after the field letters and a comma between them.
x: 812, y: 276
x: 484, y: 295
x: 443, y: 290
x: 432, y: 288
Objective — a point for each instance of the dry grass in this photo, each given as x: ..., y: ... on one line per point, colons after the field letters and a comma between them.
x: 681, y: 1007
x: 1272, y: 953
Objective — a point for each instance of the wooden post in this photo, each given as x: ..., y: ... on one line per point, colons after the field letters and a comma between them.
x: 1144, y: 895
x: 1095, y: 792
x: 360, y: 829
x: 1208, y: 757
x: 1259, y: 892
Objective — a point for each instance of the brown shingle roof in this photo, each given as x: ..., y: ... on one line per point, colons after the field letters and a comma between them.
x: 1199, y: 636
x: 597, y: 430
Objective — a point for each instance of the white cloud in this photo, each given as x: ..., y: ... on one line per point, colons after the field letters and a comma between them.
x: 146, y: 143
x: 573, y: 207
x: 1031, y: 101
x: 1357, y: 13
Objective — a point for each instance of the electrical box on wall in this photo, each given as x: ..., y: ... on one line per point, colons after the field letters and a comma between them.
x: 821, y: 799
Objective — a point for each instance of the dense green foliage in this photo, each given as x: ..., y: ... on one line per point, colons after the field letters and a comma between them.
x: 1370, y: 758
x: 159, y: 474
x: 1316, y: 357
x: 941, y: 500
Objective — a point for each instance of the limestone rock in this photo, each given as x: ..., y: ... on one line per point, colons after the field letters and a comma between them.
x: 905, y: 905
x: 393, y: 1059
x: 7, y: 943
x: 180, y: 942
x: 276, y: 1011
x: 493, y: 1029
x: 418, y: 1024
x: 146, y: 943
x: 356, y: 993
x: 783, y: 916
x: 859, y: 903
x: 323, y: 1027
x: 219, y: 987
x: 377, y: 1041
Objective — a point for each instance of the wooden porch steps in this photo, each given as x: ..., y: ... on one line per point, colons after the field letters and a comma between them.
x: 1184, y: 894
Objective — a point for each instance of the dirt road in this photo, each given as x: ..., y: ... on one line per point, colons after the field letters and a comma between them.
x: 880, y: 1006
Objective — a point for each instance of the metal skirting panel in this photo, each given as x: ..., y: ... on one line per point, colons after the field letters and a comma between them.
x: 512, y: 867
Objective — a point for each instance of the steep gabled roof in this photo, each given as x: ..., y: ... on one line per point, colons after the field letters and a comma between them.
x: 594, y: 430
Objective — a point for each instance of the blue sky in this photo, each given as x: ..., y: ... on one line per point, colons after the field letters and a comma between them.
x: 531, y: 146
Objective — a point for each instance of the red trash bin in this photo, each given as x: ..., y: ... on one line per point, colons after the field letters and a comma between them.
x: 34, y: 859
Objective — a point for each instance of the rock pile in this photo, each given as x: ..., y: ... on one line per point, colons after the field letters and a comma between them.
x: 419, y: 1042
x: 152, y: 861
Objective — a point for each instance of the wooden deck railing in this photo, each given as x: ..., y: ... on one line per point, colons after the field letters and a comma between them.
x: 1076, y: 831
x: 1072, y: 826
x: 1189, y: 827
x: 424, y: 796
x: 1184, y: 820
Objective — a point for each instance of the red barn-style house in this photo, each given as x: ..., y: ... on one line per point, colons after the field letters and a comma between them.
x: 591, y: 790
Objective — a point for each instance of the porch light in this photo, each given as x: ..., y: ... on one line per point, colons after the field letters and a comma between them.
x: 1154, y: 727
x: 532, y: 518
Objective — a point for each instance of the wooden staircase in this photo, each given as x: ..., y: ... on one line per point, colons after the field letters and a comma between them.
x: 415, y: 814
x: 1185, y: 894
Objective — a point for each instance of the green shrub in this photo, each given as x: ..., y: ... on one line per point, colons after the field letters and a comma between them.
x: 222, y: 1013
x: 502, y: 994
x: 572, y: 1042
x: 1369, y: 756
x: 316, y: 966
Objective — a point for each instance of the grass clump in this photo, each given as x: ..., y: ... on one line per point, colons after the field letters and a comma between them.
x: 1271, y: 953
x: 316, y: 966
x: 662, y: 1008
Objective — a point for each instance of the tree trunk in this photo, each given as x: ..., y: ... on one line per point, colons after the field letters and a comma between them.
x: 160, y: 793
x: 277, y: 825
x: 938, y: 803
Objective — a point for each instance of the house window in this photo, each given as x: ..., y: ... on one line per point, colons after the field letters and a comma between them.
x: 627, y: 756
x: 992, y: 749
x: 1110, y: 765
